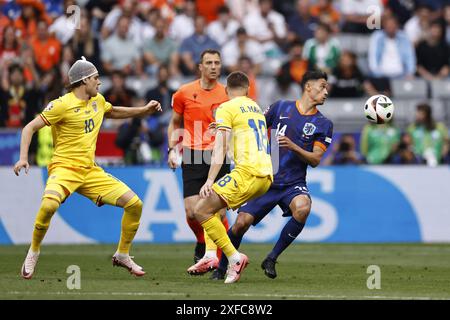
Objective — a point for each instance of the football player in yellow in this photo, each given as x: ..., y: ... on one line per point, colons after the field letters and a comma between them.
x: 241, y: 121
x: 75, y: 120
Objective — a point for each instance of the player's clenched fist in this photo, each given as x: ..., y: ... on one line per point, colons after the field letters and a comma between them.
x: 153, y: 106
x: 172, y: 159
x: 21, y: 164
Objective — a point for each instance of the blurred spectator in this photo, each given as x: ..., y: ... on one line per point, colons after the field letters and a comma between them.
x: 4, y: 22
x: 98, y: 10
x: 30, y: 71
x: 301, y: 23
x: 161, y: 50
x: 355, y: 14
x: 9, y: 47
x: 446, y: 153
x: 18, y: 105
x: 447, y: 23
x: 433, y: 54
x: 182, y: 25
x: 296, y: 66
x: 50, y: 85
x: 119, y: 94
x: 241, y: 8
x: 322, y: 52
x: 404, y: 153
x: 129, y: 9
x: 245, y: 65
x: 120, y: 52
x: 429, y: 137
x: 280, y: 89
x: 378, y: 142
x: 129, y: 140
x: 64, y: 26
x: 268, y: 27
x: 224, y: 28
x: 46, y: 48
x: 192, y: 47
x: 155, y: 125
x: 27, y: 23
x: 162, y: 92
x: 347, y: 80
x: 326, y: 13
x: 242, y: 45
x: 391, y: 55
x: 67, y: 59
x: 84, y: 43
x: 149, y: 26
x: 416, y: 27
x: 167, y: 9
x: 402, y: 9
x: 344, y: 152
x: 208, y: 9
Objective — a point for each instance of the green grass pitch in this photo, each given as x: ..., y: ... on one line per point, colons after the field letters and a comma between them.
x: 305, y: 271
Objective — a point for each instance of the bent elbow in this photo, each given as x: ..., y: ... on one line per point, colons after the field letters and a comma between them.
x: 314, y: 163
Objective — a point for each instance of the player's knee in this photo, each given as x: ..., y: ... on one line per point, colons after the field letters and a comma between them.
x: 49, y: 206
x: 134, y: 206
x: 241, y: 225
x: 301, y: 211
x: 190, y: 213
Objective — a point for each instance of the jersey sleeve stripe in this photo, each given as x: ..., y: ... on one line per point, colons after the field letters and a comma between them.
x: 320, y: 145
x: 45, y: 119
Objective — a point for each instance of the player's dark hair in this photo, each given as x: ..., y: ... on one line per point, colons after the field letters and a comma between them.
x: 209, y: 51
x: 313, y: 75
x: 237, y: 79
x: 72, y: 86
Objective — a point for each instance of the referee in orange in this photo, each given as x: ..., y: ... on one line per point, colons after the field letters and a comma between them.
x: 193, y: 106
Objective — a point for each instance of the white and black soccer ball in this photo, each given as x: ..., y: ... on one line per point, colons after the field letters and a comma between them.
x: 379, y: 109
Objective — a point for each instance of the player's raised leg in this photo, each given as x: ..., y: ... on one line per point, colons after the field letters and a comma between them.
x: 132, y: 206
x: 204, y: 213
x: 49, y: 204
x: 300, y: 207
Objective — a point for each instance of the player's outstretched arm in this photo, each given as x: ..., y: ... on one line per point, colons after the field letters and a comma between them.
x: 173, y: 135
x: 27, y: 134
x: 312, y: 158
x: 131, y: 112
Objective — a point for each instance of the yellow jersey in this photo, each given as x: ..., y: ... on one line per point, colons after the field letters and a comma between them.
x: 75, y: 126
x: 250, y: 141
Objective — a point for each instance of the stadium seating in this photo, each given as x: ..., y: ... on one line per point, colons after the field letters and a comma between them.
x: 409, y: 89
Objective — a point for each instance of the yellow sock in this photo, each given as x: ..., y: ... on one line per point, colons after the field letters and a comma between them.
x: 210, y: 245
x: 216, y: 231
x: 42, y: 222
x: 130, y: 224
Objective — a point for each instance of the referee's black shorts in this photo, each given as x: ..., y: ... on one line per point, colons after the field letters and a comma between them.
x: 195, y: 169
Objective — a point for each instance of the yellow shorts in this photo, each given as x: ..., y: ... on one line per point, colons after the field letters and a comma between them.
x: 94, y: 183
x: 238, y: 186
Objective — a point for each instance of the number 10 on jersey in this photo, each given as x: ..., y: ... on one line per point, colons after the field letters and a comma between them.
x: 260, y: 132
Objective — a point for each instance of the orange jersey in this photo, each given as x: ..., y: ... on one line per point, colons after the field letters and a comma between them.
x: 197, y: 106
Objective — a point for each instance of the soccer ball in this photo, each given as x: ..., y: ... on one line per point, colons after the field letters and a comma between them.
x: 379, y: 109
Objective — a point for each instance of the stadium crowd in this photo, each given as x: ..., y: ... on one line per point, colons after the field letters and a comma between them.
x: 160, y: 41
